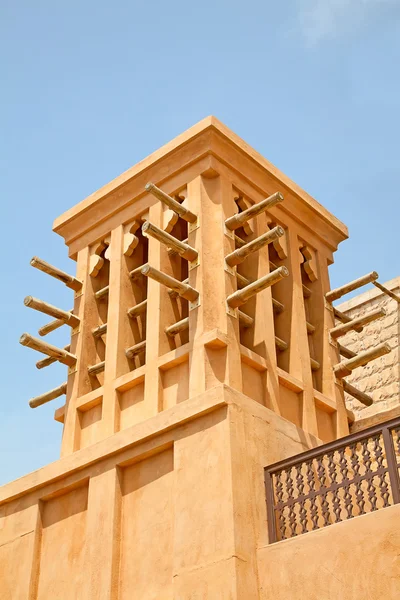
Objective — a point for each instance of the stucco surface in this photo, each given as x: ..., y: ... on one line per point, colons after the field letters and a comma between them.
x: 353, y: 560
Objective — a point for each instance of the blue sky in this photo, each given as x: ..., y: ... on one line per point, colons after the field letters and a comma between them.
x: 90, y: 88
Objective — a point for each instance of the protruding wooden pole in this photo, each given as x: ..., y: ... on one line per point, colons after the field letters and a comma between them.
x: 344, y: 318
x: 315, y: 365
x: 100, y: 330
x: 182, y: 289
x: 342, y: 329
x: 46, y: 362
x: 357, y: 394
x: 346, y: 352
x: 96, y: 369
x: 177, y: 327
x: 386, y: 291
x: 181, y: 248
x: 136, y: 310
x: 53, y: 311
x: 69, y: 280
x: 171, y: 203
x: 245, y: 320
x: 347, y: 366
x: 238, y: 256
x: 349, y: 287
x: 48, y: 396
x: 281, y: 345
x: 61, y: 355
x: 136, y: 349
x: 102, y: 294
x: 238, y: 220
x: 241, y: 296
x: 136, y: 273
x: 49, y: 327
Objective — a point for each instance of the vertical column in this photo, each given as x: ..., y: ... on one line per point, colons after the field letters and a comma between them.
x: 115, y: 322
x: 331, y: 387
x: 154, y: 319
x: 211, y: 198
x: 299, y: 364
x: 102, y: 536
x: 261, y: 337
x: 77, y: 375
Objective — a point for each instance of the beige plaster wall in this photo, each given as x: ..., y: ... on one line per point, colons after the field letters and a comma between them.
x: 380, y: 378
x: 352, y: 560
x: 174, y: 507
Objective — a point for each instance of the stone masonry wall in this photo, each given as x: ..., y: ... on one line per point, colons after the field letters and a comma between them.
x: 380, y: 378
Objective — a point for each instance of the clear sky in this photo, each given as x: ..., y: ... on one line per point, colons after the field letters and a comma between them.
x: 89, y: 88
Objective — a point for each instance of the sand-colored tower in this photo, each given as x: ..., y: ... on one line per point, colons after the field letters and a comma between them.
x: 200, y: 353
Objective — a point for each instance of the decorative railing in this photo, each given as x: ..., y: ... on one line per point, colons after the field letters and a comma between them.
x: 346, y: 478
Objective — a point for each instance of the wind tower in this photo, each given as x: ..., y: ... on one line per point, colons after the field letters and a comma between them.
x: 204, y: 346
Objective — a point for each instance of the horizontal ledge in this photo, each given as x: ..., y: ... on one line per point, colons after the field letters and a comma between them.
x: 87, y: 401
x: 129, y: 380
x: 175, y: 357
x: 289, y: 382
x: 252, y: 359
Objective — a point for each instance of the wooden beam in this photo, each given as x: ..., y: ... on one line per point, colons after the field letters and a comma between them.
x: 347, y: 366
x: 386, y: 291
x: 52, y: 326
x: 53, y: 311
x: 97, y: 332
x: 245, y: 320
x: 136, y: 349
x: 183, y: 212
x: 239, y: 242
x: 238, y: 256
x: 310, y: 328
x: 136, y: 310
x: 242, y: 296
x: 344, y: 328
x: 238, y: 220
x: 343, y: 318
x: 136, y: 273
x: 46, y: 362
x: 280, y: 344
x: 96, y: 369
x: 357, y: 394
x: 102, y: 294
x: 242, y: 281
x: 346, y: 352
x: 277, y: 306
x: 62, y: 356
x: 307, y: 293
x: 72, y: 282
x: 177, y: 327
x: 314, y: 364
x: 182, y: 289
x: 184, y: 250
x: 48, y: 396
x: 350, y: 287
